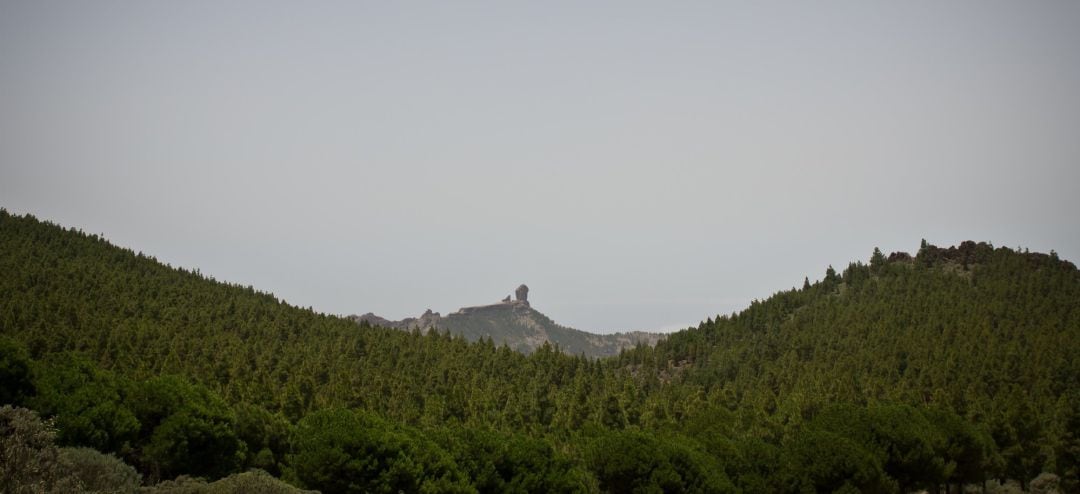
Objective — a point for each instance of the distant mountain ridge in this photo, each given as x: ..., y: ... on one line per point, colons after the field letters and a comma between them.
x: 516, y: 324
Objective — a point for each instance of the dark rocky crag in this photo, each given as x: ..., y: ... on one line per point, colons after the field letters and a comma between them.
x: 516, y: 324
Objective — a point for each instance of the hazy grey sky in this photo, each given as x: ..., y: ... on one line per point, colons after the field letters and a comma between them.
x: 641, y: 165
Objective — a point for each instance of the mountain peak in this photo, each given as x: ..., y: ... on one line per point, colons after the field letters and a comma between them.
x: 518, y: 325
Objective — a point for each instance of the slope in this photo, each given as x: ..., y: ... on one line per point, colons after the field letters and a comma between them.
x: 990, y: 333
x: 961, y: 358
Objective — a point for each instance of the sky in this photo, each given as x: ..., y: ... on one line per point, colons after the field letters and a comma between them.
x: 640, y: 165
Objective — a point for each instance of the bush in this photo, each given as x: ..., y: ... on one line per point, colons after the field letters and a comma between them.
x: 627, y: 461
x: 240, y: 483
x: 253, y: 481
x: 338, y: 450
x: 99, y: 472
x: 181, y: 485
x: 186, y: 429
x: 29, y: 461
x: 1045, y: 483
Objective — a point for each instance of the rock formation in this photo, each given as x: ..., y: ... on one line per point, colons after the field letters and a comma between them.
x: 516, y: 324
x: 522, y: 294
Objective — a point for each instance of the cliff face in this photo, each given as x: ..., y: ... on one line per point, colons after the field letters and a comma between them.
x: 519, y: 326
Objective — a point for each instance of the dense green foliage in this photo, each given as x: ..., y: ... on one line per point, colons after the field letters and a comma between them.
x: 632, y: 461
x: 338, y: 450
x: 512, y: 463
x: 952, y: 366
x: 16, y: 383
x: 31, y: 463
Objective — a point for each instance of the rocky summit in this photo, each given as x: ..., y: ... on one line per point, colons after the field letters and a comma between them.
x: 517, y: 325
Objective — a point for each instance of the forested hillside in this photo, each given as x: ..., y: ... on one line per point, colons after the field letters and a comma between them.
x: 990, y: 334
x: 953, y: 366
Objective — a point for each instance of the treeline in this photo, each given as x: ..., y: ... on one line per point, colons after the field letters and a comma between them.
x: 168, y: 427
x: 950, y: 367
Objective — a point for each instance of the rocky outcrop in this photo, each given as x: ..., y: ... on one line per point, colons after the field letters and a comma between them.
x: 374, y: 320
x: 427, y: 320
x: 516, y: 324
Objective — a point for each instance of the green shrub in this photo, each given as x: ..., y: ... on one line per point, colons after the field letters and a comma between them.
x: 99, y: 472
x: 254, y: 481
x: 345, y: 451
x: 637, y: 462
x: 29, y: 461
